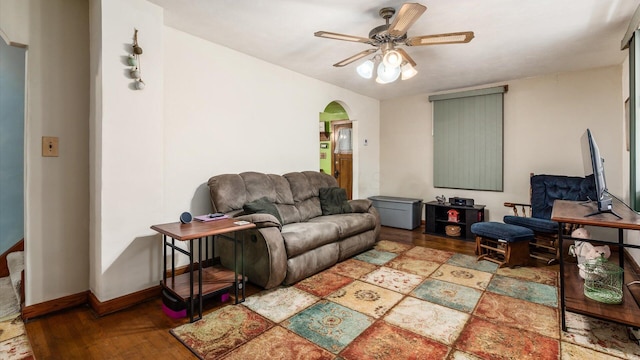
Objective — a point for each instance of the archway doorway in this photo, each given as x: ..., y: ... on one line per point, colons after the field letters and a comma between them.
x: 336, y: 145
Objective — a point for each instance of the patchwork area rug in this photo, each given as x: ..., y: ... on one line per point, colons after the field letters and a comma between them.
x: 14, y: 343
x: 398, y: 301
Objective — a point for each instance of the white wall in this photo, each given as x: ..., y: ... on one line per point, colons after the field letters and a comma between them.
x: 127, y: 157
x: 56, y: 203
x: 226, y: 112
x: 544, y: 118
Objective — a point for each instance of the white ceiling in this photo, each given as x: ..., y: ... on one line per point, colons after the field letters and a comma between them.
x: 513, y: 38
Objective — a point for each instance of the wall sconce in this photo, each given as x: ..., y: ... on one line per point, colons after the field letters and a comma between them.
x: 134, y: 61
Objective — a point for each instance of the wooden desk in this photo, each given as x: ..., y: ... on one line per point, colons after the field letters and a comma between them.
x: 211, y: 280
x: 572, y: 285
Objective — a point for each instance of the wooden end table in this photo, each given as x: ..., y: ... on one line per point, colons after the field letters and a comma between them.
x: 204, y: 277
x: 572, y: 296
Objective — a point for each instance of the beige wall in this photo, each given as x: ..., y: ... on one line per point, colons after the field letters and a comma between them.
x: 544, y: 118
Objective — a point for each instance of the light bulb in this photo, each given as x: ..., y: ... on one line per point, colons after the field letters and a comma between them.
x: 365, y: 69
x: 408, y: 71
x: 392, y: 58
x: 387, y: 74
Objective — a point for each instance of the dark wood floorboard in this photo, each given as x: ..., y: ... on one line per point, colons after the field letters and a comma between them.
x: 142, y: 331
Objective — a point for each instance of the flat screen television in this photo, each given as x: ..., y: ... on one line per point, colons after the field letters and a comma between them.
x: 594, y: 168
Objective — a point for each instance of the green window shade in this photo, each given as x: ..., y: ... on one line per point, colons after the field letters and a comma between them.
x: 468, y: 139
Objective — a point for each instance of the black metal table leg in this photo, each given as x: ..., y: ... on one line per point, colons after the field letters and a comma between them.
x: 199, y: 278
x: 562, y: 301
x: 191, y: 300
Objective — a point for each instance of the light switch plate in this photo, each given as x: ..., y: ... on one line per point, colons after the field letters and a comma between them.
x: 50, y: 146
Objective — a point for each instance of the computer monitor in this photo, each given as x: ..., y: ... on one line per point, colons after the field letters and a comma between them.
x: 594, y: 168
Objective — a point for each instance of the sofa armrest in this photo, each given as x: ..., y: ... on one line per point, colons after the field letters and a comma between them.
x: 261, y: 220
x: 360, y: 205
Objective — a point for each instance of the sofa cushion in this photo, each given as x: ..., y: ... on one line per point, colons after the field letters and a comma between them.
x: 309, y: 208
x: 262, y: 206
x: 333, y: 200
x: 289, y: 213
x: 300, y: 186
x: 282, y: 188
x: 305, y: 189
x: 305, y: 236
x: 360, y: 205
x: 348, y: 224
x: 258, y: 185
x: 227, y: 192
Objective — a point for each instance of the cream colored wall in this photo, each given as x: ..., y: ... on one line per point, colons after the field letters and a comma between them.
x: 56, y: 204
x: 544, y: 118
x: 127, y: 149
x: 227, y: 112
x: 13, y: 28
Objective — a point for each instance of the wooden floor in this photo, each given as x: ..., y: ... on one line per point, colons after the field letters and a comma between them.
x: 142, y: 331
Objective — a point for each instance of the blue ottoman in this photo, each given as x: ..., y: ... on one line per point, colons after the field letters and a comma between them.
x: 503, y: 244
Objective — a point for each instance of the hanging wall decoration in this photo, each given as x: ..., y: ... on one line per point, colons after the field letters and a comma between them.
x: 134, y: 61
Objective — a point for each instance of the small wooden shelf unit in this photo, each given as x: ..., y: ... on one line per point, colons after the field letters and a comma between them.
x: 436, y: 218
x: 214, y: 280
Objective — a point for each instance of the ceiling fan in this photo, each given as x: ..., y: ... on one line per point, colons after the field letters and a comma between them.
x: 387, y: 38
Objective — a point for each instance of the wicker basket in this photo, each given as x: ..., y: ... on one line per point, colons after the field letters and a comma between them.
x: 452, y: 230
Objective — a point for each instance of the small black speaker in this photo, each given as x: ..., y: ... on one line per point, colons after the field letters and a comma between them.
x: 185, y: 217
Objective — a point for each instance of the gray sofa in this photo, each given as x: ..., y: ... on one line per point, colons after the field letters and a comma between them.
x: 303, y: 241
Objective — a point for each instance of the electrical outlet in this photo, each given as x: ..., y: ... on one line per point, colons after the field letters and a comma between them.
x: 50, y: 146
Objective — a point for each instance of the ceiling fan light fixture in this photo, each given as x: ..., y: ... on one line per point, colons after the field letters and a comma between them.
x: 392, y: 58
x: 387, y: 74
x: 408, y: 71
x: 365, y: 69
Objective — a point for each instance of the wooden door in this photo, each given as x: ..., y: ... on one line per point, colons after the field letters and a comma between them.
x: 342, y: 164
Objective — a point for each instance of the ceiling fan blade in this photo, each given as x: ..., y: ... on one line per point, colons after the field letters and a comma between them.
x: 406, y: 56
x: 448, y: 38
x: 408, y: 14
x: 355, y: 57
x: 336, y: 36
